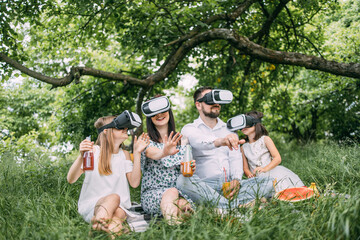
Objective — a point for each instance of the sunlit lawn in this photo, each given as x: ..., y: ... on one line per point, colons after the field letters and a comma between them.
x: 36, y: 202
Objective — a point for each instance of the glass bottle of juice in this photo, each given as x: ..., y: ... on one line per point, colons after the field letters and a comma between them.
x: 185, y: 164
x: 88, y: 159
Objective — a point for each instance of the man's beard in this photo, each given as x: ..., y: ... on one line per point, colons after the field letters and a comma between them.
x: 211, y: 114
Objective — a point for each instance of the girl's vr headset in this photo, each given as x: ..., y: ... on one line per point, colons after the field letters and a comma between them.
x: 241, y: 121
x: 155, y: 106
x: 125, y: 120
x: 217, y: 96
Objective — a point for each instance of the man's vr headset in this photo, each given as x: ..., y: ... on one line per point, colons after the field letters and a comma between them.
x: 155, y: 106
x: 125, y: 120
x: 217, y: 96
x: 241, y: 121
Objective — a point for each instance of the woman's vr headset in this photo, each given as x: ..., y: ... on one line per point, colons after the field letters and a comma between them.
x: 241, y: 121
x: 125, y: 120
x: 155, y: 106
x: 217, y: 96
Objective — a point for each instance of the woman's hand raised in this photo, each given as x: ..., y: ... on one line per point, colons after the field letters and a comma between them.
x: 170, y: 144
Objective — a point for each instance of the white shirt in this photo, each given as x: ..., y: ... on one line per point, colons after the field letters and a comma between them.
x: 210, y: 160
x: 96, y: 186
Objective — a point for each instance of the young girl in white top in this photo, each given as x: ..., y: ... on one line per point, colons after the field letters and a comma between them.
x: 261, y: 157
x: 105, y: 195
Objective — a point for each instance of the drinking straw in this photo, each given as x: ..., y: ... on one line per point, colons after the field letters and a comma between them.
x: 225, y: 174
x: 274, y: 183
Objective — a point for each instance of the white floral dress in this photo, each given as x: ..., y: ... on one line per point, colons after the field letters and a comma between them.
x: 157, y: 177
x: 258, y: 155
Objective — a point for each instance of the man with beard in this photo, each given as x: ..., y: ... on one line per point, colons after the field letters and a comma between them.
x: 218, y: 160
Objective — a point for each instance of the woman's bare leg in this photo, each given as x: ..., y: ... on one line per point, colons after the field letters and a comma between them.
x: 104, y: 211
x: 168, y: 205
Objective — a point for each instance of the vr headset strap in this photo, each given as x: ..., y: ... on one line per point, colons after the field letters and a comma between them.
x: 110, y: 125
x: 202, y: 99
x: 256, y: 120
x: 207, y: 98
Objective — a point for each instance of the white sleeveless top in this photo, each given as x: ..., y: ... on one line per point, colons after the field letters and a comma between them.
x: 257, y: 153
x: 96, y: 186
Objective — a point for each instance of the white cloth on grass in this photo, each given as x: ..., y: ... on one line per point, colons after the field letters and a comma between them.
x: 139, y: 222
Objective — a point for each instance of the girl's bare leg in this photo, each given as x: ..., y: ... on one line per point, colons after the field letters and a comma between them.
x: 168, y: 205
x: 115, y: 224
x: 104, y: 211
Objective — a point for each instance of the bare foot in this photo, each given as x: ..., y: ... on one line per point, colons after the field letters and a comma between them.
x: 174, y: 221
x: 100, y: 224
x: 247, y: 205
x: 117, y: 227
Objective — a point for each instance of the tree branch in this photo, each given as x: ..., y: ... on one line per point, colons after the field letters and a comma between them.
x: 228, y: 17
x: 242, y: 43
x: 169, y: 14
x: 53, y: 81
x: 75, y: 74
x: 293, y: 25
x: 316, y: 49
x: 278, y: 57
x: 266, y: 26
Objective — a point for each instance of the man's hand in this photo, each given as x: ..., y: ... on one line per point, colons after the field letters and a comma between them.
x: 234, y: 188
x: 231, y: 140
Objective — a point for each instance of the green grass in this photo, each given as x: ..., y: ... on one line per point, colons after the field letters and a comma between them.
x: 36, y: 202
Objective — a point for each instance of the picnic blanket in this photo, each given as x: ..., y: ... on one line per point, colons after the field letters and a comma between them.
x: 139, y: 222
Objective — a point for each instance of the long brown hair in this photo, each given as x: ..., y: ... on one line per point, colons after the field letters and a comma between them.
x: 106, y: 143
x: 260, y: 129
x: 153, y: 132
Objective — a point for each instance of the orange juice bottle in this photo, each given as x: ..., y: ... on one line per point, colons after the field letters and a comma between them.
x: 185, y: 164
x: 88, y: 159
x: 226, y: 189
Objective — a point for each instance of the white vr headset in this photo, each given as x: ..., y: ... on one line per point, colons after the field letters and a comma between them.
x: 241, y: 121
x: 155, y: 106
x: 217, y: 96
x: 126, y: 119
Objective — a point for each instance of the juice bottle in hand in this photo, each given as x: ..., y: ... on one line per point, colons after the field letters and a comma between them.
x: 88, y: 159
x: 226, y: 189
x: 185, y: 164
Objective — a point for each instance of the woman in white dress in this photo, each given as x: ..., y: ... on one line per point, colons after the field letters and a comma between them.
x: 261, y: 157
x: 105, y: 196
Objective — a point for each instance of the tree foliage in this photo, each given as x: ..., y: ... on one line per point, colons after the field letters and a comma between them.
x: 121, y: 52
x: 26, y: 108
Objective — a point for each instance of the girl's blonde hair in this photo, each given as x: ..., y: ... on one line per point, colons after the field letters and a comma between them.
x: 106, y: 143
